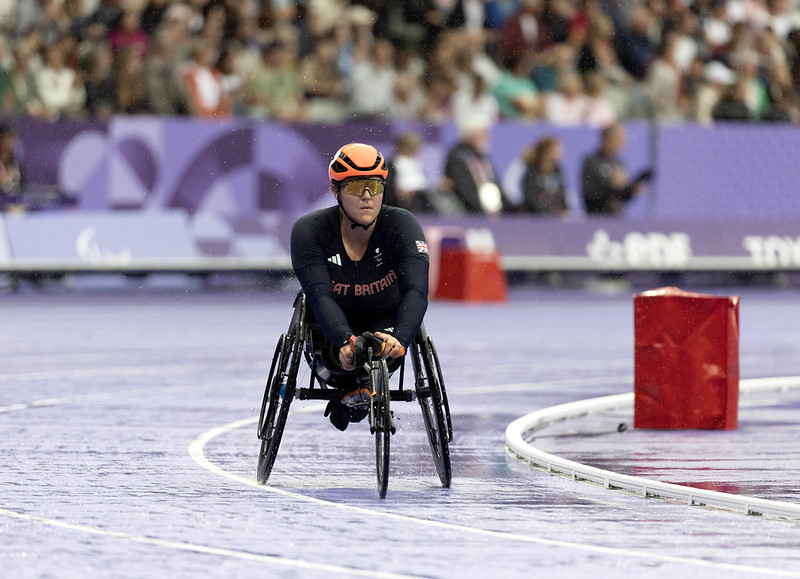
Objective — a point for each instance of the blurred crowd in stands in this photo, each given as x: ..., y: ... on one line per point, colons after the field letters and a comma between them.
x: 590, y: 62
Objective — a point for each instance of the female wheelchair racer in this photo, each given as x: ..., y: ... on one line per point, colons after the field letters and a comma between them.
x: 300, y: 346
x: 363, y: 268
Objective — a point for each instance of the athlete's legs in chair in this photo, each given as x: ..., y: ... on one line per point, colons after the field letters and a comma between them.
x: 352, y: 405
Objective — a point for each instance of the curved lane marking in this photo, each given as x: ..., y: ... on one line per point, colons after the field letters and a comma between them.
x: 196, y: 451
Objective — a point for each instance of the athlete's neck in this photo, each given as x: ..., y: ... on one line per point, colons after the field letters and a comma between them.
x: 355, y: 240
x: 359, y: 233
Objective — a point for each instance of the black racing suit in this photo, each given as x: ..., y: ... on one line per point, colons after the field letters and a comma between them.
x: 387, y: 290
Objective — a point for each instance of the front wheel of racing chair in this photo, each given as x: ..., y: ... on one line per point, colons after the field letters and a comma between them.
x: 380, y: 419
x: 280, y: 389
x: 432, y: 397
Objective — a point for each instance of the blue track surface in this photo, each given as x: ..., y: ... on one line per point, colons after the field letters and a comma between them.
x: 128, y: 422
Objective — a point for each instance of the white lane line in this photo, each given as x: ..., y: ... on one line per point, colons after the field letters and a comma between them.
x: 67, y: 399
x: 469, y: 390
x: 346, y: 571
x: 131, y: 392
x: 196, y: 451
x: 547, y: 384
x: 107, y: 371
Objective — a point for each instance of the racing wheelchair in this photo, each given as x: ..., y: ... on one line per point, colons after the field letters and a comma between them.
x: 302, y: 341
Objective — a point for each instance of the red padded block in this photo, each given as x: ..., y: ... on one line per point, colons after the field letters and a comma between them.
x: 686, y: 360
x: 471, y: 276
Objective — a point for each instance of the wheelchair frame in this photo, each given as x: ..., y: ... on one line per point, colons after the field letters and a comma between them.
x: 429, y: 390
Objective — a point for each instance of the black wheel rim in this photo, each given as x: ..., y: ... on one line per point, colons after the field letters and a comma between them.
x: 383, y: 423
x: 278, y: 398
x: 443, y: 391
x: 429, y: 396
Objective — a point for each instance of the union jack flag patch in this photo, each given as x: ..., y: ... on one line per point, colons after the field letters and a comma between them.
x: 422, y: 247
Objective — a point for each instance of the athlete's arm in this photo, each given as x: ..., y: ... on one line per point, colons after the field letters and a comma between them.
x: 310, y: 267
x: 411, y: 250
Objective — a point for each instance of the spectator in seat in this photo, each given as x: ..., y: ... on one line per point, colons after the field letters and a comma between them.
x: 634, y: 45
x: 166, y: 91
x: 406, y: 184
x: 130, y: 81
x: 733, y: 104
x: 101, y: 91
x: 324, y: 87
x: 231, y: 77
x: 276, y: 89
x: 474, y: 98
x: 516, y: 94
x: 597, y: 55
x: 373, y: 80
x: 437, y: 99
x: 525, y: 32
x: 409, y: 94
x: 715, y: 81
x: 19, y: 92
x: 663, y: 81
x: 129, y: 33
x: 60, y: 87
x: 783, y: 102
x: 568, y: 105
x: 206, y: 95
x: 600, y: 111
x: 11, y: 175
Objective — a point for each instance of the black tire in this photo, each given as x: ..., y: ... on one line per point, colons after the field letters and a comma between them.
x: 381, y: 422
x: 278, y: 396
x: 431, y: 397
x: 443, y: 390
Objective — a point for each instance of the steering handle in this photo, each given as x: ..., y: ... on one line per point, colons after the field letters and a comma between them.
x: 366, y: 347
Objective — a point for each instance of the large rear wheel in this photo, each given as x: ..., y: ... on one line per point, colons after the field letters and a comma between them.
x: 278, y: 396
x: 435, y: 411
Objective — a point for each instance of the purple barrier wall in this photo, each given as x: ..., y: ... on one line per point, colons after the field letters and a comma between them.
x: 720, y: 191
x: 728, y: 172
x: 233, y: 168
x: 100, y: 238
x: 238, y: 167
x: 241, y: 166
x: 122, y: 238
x: 643, y: 244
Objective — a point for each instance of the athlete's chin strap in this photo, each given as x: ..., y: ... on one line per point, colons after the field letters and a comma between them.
x: 353, y: 222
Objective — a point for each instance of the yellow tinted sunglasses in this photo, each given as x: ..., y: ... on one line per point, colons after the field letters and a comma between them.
x: 356, y: 188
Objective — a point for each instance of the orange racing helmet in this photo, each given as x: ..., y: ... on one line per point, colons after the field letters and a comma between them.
x: 357, y: 160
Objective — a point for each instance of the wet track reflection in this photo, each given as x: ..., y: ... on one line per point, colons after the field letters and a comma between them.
x: 109, y: 405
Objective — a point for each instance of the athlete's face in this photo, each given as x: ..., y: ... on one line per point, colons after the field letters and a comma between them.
x: 361, y: 200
